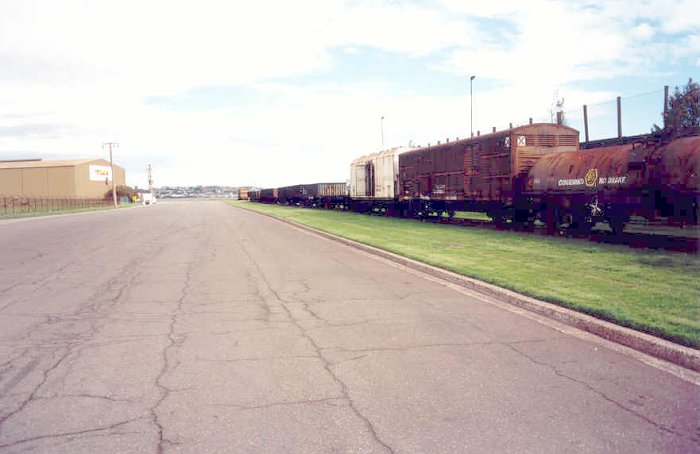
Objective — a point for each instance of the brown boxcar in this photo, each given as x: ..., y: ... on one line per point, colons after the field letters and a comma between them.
x: 269, y: 195
x: 290, y: 195
x: 327, y: 195
x: 243, y: 193
x: 485, y: 173
x: 253, y: 195
x: 313, y: 194
x: 612, y: 183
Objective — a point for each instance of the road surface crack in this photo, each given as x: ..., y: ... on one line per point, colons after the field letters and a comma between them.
x: 282, y: 404
x: 596, y: 391
x: 175, y: 341
x: 327, y: 365
x: 68, y: 434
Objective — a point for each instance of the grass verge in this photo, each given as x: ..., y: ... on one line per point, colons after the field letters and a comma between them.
x: 34, y: 214
x: 657, y: 292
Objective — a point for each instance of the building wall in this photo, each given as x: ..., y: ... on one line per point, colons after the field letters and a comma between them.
x: 61, y: 181
x: 35, y: 182
x: 71, y: 181
x: 96, y: 189
x: 10, y: 181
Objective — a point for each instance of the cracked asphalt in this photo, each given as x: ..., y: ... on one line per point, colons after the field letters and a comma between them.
x: 199, y: 327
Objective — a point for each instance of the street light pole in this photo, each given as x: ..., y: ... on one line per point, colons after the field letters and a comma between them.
x: 382, y: 132
x: 471, y: 105
x: 111, y: 165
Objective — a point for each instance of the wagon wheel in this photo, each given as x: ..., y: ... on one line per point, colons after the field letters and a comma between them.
x: 502, y: 218
x: 580, y: 225
x: 617, y: 224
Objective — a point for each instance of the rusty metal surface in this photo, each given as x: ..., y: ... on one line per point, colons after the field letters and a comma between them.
x: 588, y: 170
x: 289, y: 193
x: 268, y: 195
x: 243, y: 193
x: 630, y: 167
x: 482, y: 168
x: 679, y: 166
x: 332, y: 189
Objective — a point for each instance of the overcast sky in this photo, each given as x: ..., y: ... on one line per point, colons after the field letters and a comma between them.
x: 270, y: 93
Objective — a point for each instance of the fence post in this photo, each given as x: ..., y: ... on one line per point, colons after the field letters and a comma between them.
x: 619, y: 117
x: 665, y: 106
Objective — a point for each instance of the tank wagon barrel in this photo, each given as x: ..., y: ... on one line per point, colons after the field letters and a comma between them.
x: 613, y: 183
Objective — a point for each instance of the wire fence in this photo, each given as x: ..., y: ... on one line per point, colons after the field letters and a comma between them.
x: 638, y: 114
x: 10, y: 204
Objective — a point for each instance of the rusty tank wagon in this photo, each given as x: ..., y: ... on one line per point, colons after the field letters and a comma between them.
x: 609, y: 184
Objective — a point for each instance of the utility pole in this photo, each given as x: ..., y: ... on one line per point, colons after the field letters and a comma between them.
x: 111, y: 164
x: 150, y: 180
x: 382, y: 132
x: 471, y: 105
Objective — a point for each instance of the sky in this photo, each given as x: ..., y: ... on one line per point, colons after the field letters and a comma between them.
x: 271, y: 93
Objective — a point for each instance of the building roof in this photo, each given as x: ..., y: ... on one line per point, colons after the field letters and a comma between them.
x: 40, y: 163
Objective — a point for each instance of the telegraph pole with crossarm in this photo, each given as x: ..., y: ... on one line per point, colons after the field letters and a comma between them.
x: 111, y: 164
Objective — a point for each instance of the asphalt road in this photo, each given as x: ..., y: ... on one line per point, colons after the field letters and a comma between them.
x: 199, y: 327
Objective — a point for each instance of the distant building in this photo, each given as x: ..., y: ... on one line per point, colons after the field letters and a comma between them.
x: 73, y: 178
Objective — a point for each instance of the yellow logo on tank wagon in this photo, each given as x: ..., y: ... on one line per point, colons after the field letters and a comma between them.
x: 591, y: 178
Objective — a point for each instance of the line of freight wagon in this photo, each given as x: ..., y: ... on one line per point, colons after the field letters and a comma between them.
x: 520, y: 175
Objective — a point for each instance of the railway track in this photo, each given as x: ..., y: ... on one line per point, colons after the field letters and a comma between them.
x: 637, y: 238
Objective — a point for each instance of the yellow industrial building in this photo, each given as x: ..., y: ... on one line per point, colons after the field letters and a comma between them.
x: 73, y: 178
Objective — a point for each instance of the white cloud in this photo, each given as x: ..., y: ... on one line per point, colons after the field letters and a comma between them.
x: 82, y: 70
x: 643, y: 31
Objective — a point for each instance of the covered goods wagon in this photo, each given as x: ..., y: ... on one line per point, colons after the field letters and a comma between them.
x: 484, y: 173
x: 269, y: 195
x: 374, y: 179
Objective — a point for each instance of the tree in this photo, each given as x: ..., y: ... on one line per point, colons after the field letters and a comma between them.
x: 682, y: 115
x: 122, y: 191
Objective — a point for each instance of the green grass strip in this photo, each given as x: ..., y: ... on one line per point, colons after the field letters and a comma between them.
x: 32, y: 214
x: 657, y: 292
